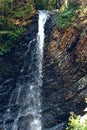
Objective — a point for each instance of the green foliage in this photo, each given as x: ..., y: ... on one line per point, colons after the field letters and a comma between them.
x: 8, y: 38
x: 5, y: 7
x: 45, y: 4
x: 10, y: 13
x: 52, y: 4
x: 22, y: 12
x: 5, y: 48
x: 75, y: 123
x: 67, y: 16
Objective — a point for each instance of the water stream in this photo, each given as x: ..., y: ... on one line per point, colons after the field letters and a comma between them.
x: 36, y: 123
x: 24, y: 108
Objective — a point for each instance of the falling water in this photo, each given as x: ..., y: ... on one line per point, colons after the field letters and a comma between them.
x: 24, y: 106
x: 43, y: 15
x: 36, y: 123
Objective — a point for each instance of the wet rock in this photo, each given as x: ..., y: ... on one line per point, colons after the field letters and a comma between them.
x: 60, y: 126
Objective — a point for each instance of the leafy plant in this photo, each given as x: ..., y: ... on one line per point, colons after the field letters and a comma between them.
x: 8, y: 38
x: 5, y: 48
x: 77, y: 122
x: 45, y: 4
x: 67, y: 16
x: 12, y: 16
x: 22, y: 12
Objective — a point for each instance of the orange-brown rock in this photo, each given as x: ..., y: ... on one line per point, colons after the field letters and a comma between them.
x: 65, y: 71
x: 68, y: 47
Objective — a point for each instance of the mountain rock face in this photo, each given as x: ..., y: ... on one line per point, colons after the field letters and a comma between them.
x: 65, y: 74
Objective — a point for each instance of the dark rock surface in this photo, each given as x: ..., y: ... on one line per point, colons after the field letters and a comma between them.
x: 13, y: 73
x: 17, y: 69
x: 65, y: 74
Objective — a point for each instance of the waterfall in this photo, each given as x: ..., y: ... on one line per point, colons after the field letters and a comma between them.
x: 24, y: 108
x: 43, y: 15
x: 36, y: 123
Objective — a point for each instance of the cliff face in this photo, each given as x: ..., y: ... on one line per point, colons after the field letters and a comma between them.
x: 65, y: 72
x: 69, y: 49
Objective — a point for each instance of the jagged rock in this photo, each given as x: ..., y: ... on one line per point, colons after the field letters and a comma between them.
x: 65, y: 61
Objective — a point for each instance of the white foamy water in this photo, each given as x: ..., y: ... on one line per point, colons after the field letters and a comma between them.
x: 43, y: 15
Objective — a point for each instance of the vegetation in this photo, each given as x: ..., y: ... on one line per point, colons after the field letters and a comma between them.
x: 77, y: 122
x: 8, y: 38
x: 67, y: 16
x: 14, y: 15
x: 45, y: 4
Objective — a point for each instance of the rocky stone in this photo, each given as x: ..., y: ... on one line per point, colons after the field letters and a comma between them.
x: 65, y: 65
